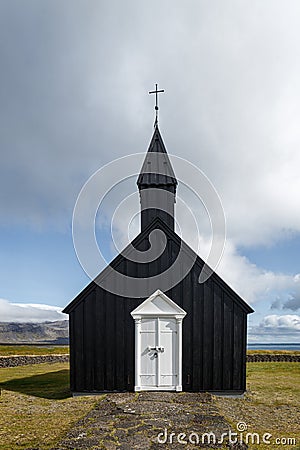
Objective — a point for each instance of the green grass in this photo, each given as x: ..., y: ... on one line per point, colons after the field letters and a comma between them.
x: 36, y: 406
x: 33, y: 380
x: 273, y: 352
x: 10, y: 350
x: 271, y: 404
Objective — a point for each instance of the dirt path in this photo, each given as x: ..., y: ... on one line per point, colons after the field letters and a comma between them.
x: 131, y: 421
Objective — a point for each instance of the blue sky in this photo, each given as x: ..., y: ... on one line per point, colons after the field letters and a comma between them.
x: 73, y: 97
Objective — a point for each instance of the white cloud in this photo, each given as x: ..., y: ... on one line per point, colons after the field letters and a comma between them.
x: 290, y: 322
x: 284, y: 328
x: 29, y: 312
x: 252, y: 282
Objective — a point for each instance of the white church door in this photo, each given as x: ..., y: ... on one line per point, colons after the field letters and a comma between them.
x: 158, y: 340
x: 159, y: 352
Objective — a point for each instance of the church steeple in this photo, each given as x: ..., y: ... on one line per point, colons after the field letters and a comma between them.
x: 157, y: 184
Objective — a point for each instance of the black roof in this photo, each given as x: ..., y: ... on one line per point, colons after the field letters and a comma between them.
x: 157, y: 169
x: 156, y: 223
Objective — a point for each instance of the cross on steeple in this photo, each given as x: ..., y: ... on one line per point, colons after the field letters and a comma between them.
x: 156, y: 102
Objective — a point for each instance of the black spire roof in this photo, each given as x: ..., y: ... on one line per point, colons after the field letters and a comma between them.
x: 157, y: 169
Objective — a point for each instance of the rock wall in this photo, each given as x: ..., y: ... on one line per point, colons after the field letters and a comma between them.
x: 14, y: 361
x: 285, y: 357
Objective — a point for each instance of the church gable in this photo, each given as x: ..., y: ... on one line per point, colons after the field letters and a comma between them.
x: 123, y: 264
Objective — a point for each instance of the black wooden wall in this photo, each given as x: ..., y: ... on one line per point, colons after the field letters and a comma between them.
x: 214, y: 333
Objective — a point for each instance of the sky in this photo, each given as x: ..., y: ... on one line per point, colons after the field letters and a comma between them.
x: 75, y: 77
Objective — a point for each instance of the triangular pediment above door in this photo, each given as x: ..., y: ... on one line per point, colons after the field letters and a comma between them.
x: 158, y: 304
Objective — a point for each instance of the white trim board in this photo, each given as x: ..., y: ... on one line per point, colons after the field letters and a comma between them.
x: 158, y: 307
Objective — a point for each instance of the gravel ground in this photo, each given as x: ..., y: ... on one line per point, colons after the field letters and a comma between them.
x: 129, y: 421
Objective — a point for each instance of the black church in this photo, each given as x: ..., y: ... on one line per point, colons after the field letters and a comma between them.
x: 190, y: 337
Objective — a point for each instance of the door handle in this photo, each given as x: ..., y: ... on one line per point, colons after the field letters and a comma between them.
x: 156, y: 349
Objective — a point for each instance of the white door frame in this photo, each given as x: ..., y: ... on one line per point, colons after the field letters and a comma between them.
x: 158, y: 305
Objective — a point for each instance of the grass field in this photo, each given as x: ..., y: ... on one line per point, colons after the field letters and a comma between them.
x: 273, y: 352
x: 36, y: 406
x: 37, y: 409
x: 271, y: 404
x: 12, y: 350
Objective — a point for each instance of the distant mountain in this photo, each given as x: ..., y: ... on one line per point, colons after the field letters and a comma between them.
x: 31, y: 333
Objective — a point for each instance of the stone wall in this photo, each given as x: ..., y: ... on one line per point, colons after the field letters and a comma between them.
x: 284, y: 357
x: 14, y: 361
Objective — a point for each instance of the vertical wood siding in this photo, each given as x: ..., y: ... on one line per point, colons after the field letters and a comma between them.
x: 214, y: 335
